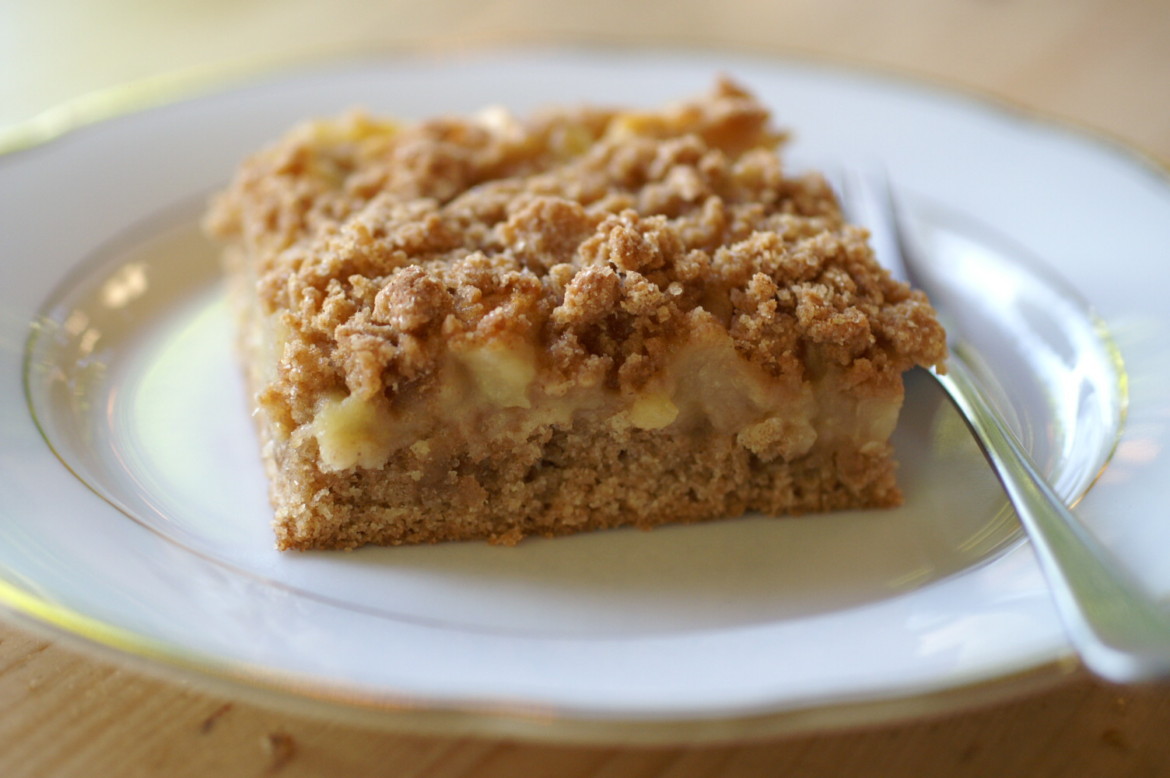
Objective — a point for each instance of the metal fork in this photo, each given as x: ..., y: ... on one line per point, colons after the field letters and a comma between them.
x: 1119, y: 631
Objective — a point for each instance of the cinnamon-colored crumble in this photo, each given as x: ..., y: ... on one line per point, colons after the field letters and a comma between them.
x: 489, y: 327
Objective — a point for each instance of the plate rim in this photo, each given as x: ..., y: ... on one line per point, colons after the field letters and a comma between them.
x: 403, y: 713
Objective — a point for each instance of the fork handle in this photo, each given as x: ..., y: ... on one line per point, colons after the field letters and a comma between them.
x: 1121, y: 633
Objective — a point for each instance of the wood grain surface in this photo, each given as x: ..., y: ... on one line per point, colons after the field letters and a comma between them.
x: 1099, y: 64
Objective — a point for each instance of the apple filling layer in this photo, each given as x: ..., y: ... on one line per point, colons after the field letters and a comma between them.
x: 491, y: 397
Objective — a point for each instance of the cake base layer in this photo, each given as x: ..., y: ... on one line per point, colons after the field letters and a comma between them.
x: 562, y: 482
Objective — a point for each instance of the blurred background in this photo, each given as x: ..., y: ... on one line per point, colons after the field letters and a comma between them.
x: 1089, y: 61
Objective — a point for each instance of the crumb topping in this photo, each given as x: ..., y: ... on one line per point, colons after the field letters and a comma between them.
x: 602, y: 237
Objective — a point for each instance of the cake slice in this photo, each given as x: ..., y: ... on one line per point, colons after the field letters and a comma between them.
x: 488, y: 328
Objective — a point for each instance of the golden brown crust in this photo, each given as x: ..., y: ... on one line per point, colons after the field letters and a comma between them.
x: 608, y: 239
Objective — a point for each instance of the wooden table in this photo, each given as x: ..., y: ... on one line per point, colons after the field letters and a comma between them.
x: 1102, y: 64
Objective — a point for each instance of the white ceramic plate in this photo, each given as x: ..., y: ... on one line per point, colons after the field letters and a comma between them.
x: 133, y: 507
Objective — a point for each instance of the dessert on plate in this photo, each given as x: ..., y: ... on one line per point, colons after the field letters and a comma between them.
x: 487, y: 327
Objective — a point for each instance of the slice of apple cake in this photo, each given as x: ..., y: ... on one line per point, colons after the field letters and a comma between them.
x: 489, y: 328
